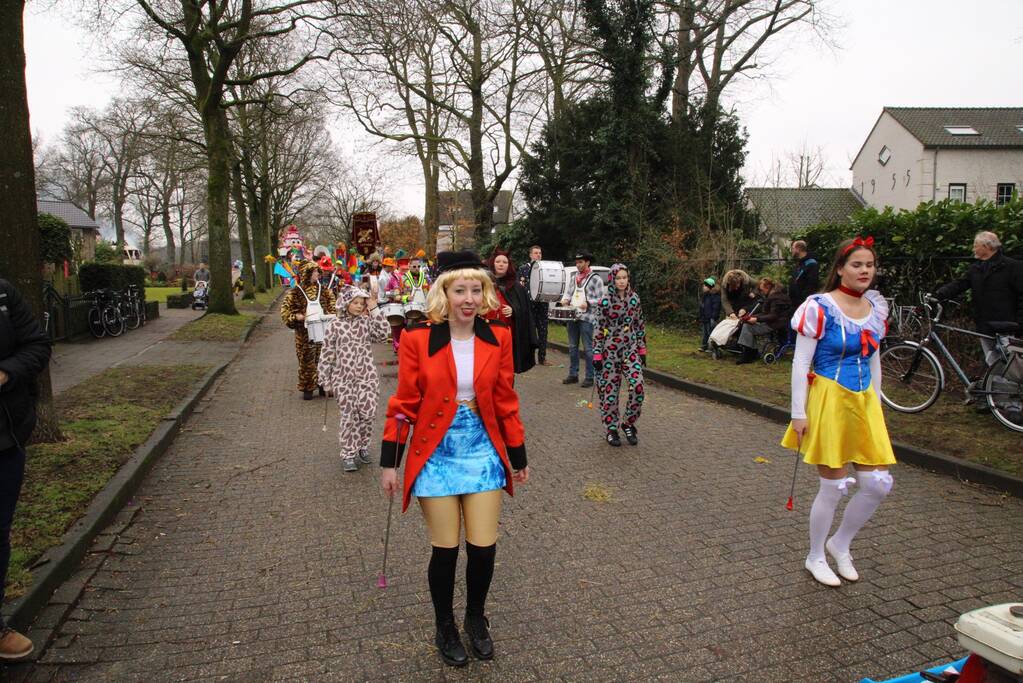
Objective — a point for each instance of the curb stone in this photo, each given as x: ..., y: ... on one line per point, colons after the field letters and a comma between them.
x: 962, y: 470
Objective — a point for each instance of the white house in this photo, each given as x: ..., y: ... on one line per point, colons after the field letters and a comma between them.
x: 920, y: 154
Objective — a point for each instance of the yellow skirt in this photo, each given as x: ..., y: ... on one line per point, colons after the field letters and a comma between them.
x: 843, y: 426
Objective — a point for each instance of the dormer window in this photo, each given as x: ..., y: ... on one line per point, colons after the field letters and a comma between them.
x: 884, y: 155
x: 961, y: 130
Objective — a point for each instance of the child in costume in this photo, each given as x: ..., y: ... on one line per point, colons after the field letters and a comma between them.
x: 619, y: 351
x: 836, y: 407
x: 455, y: 385
x: 346, y: 369
x: 309, y: 296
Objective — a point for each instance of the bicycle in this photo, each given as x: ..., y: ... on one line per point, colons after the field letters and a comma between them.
x: 133, y: 308
x: 913, y: 377
x: 105, y: 315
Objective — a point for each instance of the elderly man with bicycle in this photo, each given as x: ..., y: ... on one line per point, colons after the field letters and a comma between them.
x: 996, y: 282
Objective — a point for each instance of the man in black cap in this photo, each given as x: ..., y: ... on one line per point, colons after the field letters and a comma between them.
x: 24, y: 353
x: 583, y: 294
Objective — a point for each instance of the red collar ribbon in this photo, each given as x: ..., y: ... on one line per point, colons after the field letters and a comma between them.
x: 867, y: 342
x: 867, y: 242
x: 851, y: 292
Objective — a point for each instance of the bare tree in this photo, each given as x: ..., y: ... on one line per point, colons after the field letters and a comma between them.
x: 807, y: 165
x: 75, y: 169
x: 558, y: 35
x: 209, y: 35
x: 716, y: 41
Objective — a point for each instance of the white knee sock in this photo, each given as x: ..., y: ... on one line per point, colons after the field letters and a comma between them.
x: 874, y: 486
x: 822, y: 513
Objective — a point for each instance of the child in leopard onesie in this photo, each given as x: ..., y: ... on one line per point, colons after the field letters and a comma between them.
x: 310, y: 296
x: 346, y: 368
x: 619, y: 351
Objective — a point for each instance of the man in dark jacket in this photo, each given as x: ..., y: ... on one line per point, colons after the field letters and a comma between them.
x: 24, y: 353
x: 996, y: 282
x: 805, y: 275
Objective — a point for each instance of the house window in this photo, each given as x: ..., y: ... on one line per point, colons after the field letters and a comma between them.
x: 957, y: 192
x: 961, y: 130
x: 1003, y: 195
x: 884, y: 155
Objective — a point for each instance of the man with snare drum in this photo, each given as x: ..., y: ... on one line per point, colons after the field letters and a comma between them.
x: 584, y: 293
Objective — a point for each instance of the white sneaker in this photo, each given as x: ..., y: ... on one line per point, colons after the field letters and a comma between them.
x: 844, y: 561
x: 822, y: 572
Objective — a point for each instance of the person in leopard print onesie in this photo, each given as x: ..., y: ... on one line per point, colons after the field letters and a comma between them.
x: 310, y: 292
x: 619, y: 351
x: 347, y: 370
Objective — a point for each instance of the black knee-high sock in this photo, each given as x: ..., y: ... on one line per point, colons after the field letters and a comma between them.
x: 479, y: 570
x: 441, y: 577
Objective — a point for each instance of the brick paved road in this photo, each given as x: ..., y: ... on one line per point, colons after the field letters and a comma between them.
x: 252, y: 557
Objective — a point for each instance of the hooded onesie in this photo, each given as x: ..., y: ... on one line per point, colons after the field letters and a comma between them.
x: 346, y: 368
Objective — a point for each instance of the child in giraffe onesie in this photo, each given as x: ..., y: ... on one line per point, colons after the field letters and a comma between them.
x: 347, y: 370
x: 619, y: 350
x: 309, y: 295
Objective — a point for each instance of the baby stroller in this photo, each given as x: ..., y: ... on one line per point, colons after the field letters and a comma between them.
x: 201, y: 295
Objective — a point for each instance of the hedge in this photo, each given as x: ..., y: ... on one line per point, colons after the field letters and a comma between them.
x: 114, y: 276
x: 921, y: 249
x: 179, y: 300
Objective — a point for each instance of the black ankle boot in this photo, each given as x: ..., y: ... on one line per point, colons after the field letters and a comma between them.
x: 477, y: 628
x: 323, y: 392
x: 307, y: 396
x: 449, y: 644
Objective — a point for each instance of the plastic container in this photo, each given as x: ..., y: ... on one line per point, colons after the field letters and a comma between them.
x: 996, y: 634
x: 917, y: 678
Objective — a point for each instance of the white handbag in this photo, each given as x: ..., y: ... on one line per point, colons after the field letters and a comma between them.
x: 723, y: 331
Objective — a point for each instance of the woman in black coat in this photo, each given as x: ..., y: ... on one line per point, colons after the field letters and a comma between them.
x: 514, y: 310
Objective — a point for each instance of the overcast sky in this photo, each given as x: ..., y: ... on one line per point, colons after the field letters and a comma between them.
x: 889, y: 52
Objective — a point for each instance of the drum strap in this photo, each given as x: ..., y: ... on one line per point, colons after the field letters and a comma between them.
x: 318, y: 290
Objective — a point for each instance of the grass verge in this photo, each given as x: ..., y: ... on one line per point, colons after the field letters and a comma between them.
x: 160, y: 293
x: 103, y: 419
x: 947, y: 427
x: 260, y: 303
x: 213, y: 327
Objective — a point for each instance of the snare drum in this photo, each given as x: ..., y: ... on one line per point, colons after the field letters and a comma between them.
x: 563, y: 313
x: 546, y: 281
x: 316, y: 328
x: 395, y: 314
x: 415, y: 310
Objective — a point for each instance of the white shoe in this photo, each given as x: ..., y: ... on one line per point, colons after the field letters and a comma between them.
x: 822, y: 572
x: 844, y: 561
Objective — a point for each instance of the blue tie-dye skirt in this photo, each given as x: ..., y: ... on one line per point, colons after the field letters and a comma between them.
x: 464, y: 462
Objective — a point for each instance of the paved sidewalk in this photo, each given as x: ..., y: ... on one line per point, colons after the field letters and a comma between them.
x: 250, y: 556
x: 77, y: 361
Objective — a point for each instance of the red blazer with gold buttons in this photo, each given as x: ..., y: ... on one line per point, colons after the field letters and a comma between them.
x: 426, y: 397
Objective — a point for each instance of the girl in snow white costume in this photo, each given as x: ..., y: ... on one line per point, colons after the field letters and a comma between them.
x: 836, y: 407
x: 455, y: 387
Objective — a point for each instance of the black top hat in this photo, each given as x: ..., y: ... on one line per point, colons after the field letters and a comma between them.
x: 584, y: 255
x: 456, y: 260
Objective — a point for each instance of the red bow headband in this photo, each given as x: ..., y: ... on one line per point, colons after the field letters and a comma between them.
x: 867, y: 242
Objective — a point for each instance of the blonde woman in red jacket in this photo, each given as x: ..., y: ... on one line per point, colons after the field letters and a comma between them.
x: 455, y: 387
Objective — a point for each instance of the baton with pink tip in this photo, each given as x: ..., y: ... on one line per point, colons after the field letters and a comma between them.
x: 790, y: 505
x: 382, y: 579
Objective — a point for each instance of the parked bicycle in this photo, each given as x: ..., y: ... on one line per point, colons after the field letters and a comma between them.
x: 133, y: 308
x: 105, y: 315
x: 913, y: 376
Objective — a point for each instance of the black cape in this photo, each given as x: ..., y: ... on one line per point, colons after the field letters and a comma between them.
x: 524, y: 341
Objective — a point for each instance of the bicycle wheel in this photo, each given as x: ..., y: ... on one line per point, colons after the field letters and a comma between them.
x: 130, y: 313
x: 96, y: 323
x: 1006, y: 392
x: 112, y: 321
x: 142, y: 310
x: 911, y: 377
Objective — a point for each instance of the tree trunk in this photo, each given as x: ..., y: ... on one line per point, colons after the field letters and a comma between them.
x: 118, y: 202
x: 218, y: 190
x: 483, y: 210
x: 168, y: 233
x: 243, y: 231
x: 431, y: 210
x: 260, y: 245
x: 21, y: 266
x: 684, y: 71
